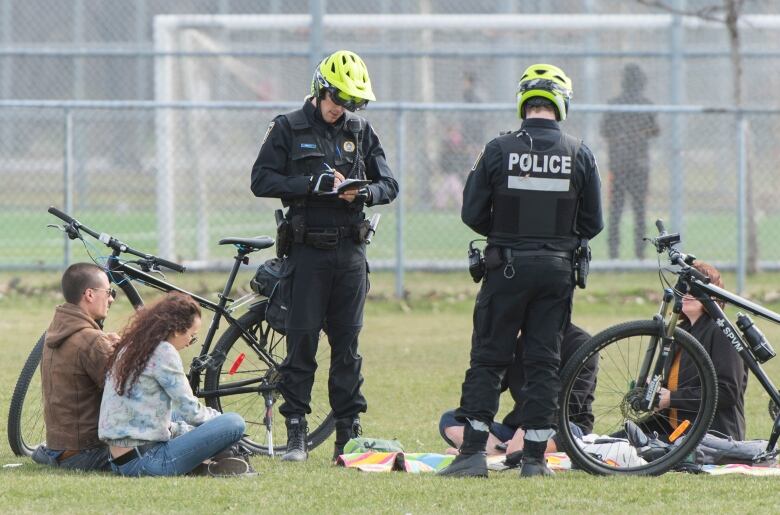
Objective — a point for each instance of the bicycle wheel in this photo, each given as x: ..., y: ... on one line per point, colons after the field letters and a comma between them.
x: 242, y: 364
x: 26, y: 427
x: 621, y: 350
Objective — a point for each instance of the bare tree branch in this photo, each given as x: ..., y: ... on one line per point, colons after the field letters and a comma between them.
x: 714, y: 13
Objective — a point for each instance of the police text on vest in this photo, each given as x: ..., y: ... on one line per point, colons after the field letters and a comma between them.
x: 535, y: 163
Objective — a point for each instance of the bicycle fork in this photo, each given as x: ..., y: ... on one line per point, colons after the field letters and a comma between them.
x: 656, y: 379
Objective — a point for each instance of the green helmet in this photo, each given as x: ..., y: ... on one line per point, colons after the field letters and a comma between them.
x: 546, y: 81
x: 345, y: 76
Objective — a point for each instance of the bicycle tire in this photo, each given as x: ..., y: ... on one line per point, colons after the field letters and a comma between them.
x: 26, y: 427
x: 251, y: 405
x: 624, y: 345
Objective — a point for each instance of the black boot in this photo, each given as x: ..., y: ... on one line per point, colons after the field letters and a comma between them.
x: 533, y: 462
x: 471, y: 462
x: 346, y: 430
x: 297, y: 431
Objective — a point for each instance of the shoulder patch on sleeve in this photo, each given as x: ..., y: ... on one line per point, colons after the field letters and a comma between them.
x: 479, y: 158
x: 268, y: 131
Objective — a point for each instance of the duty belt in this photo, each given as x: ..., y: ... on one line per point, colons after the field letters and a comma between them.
x: 327, y: 237
x: 512, y: 253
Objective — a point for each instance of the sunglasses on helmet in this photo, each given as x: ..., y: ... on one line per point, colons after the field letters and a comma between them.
x: 348, y: 102
x: 543, y: 84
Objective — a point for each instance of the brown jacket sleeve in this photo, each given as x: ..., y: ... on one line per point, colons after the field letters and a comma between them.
x: 94, y: 360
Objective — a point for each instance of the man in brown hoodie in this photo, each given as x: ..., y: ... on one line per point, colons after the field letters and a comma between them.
x: 73, y: 370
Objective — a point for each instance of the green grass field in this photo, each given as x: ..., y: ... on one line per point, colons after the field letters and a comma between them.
x: 415, y: 355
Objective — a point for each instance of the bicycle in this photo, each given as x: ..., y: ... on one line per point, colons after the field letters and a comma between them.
x: 637, y: 358
x: 240, y: 374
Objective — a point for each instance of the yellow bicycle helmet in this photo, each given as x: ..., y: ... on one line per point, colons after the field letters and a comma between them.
x: 546, y: 81
x: 345, y: 76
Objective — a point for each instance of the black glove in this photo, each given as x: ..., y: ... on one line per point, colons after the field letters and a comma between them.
x: 363, y: 195
x: 322, y: 183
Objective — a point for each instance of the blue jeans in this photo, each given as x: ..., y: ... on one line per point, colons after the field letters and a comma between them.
x: 501, y: 431
x: 184, y: 453
x: 87, y: 460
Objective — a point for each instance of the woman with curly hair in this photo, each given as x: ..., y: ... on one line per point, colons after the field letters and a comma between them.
x: 145, y: 383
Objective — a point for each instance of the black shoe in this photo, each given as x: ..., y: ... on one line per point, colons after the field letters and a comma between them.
x: 648, y: 448
x: 346, y: 429
x: 297, y: 431
x: 237, y: 450
x: 466, y: 465
x: 534, y: 467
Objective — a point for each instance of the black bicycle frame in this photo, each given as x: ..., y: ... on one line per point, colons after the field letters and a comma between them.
x: 119, y: 273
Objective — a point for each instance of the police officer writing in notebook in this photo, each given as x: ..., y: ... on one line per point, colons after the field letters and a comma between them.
x: 304, y: 157
x: 536, y: 195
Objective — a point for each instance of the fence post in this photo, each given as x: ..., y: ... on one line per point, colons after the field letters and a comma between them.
x: 67, y: 177
x: 317, y: 11
x: 399, y: 205
x: 163, y: 92
x: 742, y: 128
x: 676, y: 168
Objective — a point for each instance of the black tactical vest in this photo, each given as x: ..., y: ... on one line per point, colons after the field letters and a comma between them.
x: 536, y: 195
x: 311, y: 151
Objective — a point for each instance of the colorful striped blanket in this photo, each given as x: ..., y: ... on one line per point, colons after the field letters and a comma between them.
x: 414, y: 462
x: 417, y: 462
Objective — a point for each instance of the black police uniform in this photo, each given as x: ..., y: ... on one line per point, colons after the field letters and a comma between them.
x: 581, y: 399
x: 328, y: 283
x: 533, y: 193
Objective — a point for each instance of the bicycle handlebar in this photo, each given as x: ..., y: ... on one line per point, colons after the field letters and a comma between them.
x: 666, y: 242
x: 113, y: 243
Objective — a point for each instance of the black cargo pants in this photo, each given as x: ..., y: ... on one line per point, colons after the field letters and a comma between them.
x: 328, y: 288
x: 536, y: 301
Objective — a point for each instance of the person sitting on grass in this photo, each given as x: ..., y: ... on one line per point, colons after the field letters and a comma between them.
x: 683, y: 393
x: 145, y: 383
x: 507, y: 436
x: 73, y: 365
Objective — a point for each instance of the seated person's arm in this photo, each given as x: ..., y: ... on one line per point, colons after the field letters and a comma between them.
x: 169, y: 373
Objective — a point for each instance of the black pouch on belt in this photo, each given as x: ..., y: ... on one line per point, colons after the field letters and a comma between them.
x: 284, y: 235
x: 324, y: 239
x: 361, y: 231
x: 582, y: 263
x: 493, y: 257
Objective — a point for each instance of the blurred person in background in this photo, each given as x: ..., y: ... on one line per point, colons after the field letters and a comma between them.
x: 459, y: 144
x: 73, y: 366
x: 628, y: 137
x: 535, y: 194
x: 305, y: 155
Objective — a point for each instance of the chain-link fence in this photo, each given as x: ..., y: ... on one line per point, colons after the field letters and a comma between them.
x: 143, y: 118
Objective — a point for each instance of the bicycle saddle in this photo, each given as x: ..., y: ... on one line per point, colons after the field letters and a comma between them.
x: 257, y: 243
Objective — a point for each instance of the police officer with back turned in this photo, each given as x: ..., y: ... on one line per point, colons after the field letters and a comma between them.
x: 535, y: 194
x: 305, y: 156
